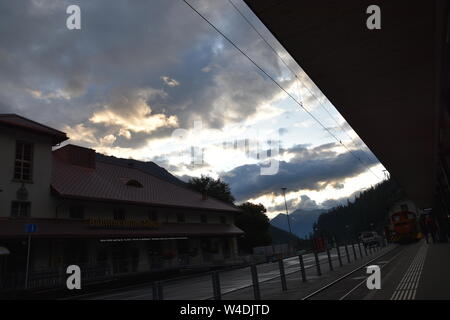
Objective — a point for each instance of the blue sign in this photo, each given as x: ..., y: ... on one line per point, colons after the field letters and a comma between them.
x: 30, y: 228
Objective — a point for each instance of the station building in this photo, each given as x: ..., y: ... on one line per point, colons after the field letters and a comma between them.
x: 110, y: 216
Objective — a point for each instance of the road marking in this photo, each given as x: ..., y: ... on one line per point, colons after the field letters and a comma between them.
x: 382, y: 254
x: 359, y: 278
x: 407, y: 288
x: 364, y: 281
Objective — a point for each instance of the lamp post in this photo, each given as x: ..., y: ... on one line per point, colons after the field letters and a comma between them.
x: 287, y: 213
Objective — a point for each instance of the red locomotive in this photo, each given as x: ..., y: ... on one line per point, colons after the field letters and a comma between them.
x: 404, y: 223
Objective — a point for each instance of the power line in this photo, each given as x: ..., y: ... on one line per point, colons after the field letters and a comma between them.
x: 278, y: 85
x: 293, y: 72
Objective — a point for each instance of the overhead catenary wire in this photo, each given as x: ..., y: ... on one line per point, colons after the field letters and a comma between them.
x: 277, y: 84
x: 294, y: 74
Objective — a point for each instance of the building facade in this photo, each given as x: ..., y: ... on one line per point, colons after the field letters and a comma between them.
x: 109, y: 216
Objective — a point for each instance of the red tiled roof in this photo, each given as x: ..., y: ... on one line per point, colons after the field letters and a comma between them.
x: 80, y: 228
x: 24, y: 123
x: 107, y: 182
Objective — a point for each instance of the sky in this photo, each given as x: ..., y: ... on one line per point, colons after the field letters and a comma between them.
x: 153, y: 81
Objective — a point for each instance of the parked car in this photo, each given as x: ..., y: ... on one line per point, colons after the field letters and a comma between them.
x: 370, y: 238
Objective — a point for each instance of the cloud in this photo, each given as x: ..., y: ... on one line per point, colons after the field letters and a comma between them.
x: 338, y: 185
x: 141, y: 121
x: 282, y: 131
x: 170, y: 82
x: 58, y: 94
x: 331, y: 203
x: 79, y: 133
x: 307, y: 203
x: 92, y: 77
x: 125, y: 133
x: 108, y: 140
x: 310, y: 169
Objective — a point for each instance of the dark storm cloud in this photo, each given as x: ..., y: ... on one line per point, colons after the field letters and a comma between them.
x: 311, y: 169
x: 62, y: 78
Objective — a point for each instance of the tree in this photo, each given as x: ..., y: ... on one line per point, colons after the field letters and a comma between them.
x: 215, y: 188
x: 368, y: 211
x: 254, y: 222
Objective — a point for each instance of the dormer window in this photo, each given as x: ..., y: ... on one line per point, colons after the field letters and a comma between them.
x: 134, y: 183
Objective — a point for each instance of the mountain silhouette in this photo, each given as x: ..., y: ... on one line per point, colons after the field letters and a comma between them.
x: 301, y: 221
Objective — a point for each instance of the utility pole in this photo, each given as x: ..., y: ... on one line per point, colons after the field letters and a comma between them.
x: 287, y: 214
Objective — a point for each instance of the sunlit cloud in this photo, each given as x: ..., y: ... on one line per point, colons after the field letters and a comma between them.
x: 81, y: 133
x: 170, y: 82
x: 57, y: 94
x: 133, y: 113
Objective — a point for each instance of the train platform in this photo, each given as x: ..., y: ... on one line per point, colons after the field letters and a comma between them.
x: 298, y: 290
x: 417, y: 271
x: 435, y: 280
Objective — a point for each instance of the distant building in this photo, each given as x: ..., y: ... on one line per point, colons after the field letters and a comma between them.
x: 109, y: 216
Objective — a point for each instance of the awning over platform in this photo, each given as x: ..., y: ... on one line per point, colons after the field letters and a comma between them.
x: 387, y: 83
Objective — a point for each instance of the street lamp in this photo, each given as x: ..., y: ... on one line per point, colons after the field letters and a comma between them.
x: 287, y: 213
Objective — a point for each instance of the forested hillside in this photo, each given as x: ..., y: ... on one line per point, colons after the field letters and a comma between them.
x: 367, y: 212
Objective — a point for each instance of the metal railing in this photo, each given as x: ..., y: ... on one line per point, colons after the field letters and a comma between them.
x: 277, y: 270
x: 54, y: 278
x: 332, y: 258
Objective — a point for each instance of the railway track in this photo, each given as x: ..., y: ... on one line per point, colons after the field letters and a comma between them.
x: 331, y: 291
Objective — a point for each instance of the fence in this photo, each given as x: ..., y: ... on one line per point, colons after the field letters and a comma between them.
x: 250, y: 273
x: 56, y: 278
x: 218, y: 284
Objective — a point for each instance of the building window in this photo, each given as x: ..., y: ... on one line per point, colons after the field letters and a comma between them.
x: 180, y: 217
x: 20, y: 209
x: 76, y: 212
x: 223, y: 219
x: 23, y: 163
x: 404, y: 207
x: 153, y: 215
x: 203, y: 218
x: 119, y: 214
x: 134, y: 183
